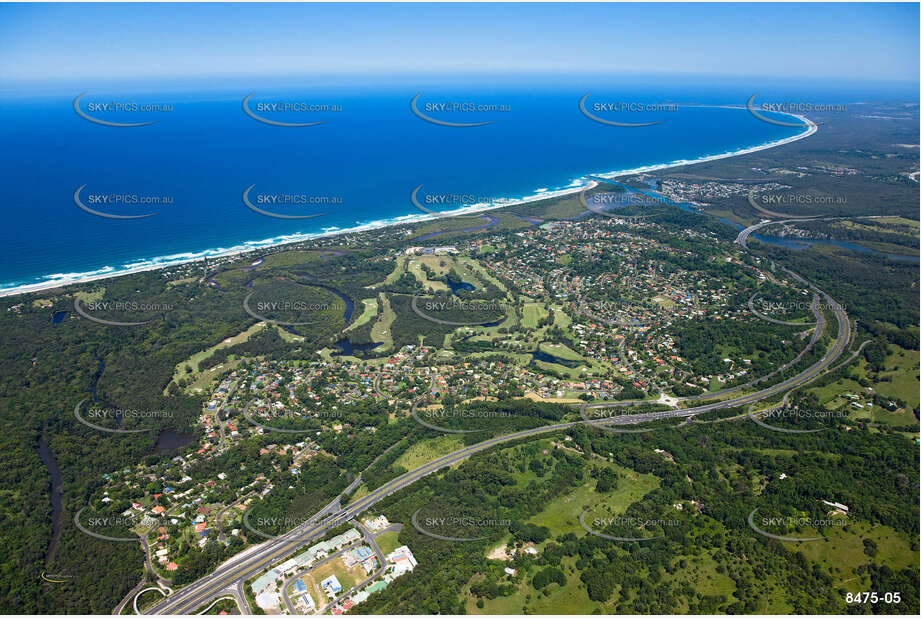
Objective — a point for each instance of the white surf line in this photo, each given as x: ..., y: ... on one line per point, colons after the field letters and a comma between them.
x: 251, y: 246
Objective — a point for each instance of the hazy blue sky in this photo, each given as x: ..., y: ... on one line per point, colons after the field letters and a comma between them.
x: 101, y: 41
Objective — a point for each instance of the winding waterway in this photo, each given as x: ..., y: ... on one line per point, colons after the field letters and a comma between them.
x: 777, y: 241
x: 57, y: 508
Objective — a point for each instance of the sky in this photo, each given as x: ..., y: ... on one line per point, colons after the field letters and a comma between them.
x: 51, y: 42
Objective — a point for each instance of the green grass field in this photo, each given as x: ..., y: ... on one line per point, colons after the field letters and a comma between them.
x: 202, y: 380
x: 414, y: 266
x: 571, y: 599
x: 387, y: 541
x: 560, y: 351
x: 700, y: 572
x: 480, y: 272
x: 368, y: 314
x: 666, y: 303
x: 196, y: 358
x: 147, y: 599
x: 560, y: 318
x: 843, y: 553
x: 899, y: 378
x: 901, y: 367
x: 380, y: 332
x: 399, y: 268
x: 561, y: 515
x: 347, y: 578
x: 532, y: 313
x: 361, y: 492
x: 427, y: 450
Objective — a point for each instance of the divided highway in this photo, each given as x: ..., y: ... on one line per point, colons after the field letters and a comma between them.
x: 232, y: 574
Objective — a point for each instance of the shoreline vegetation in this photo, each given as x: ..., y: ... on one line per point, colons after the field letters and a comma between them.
x: 161, y: 262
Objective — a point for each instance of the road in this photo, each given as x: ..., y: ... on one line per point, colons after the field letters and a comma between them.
x: 819, y: 325
x: 129, y: 597
x: 284, y: 589
x: 742, y: 238
x: 381, y: 560
x: 232, y: 574
x: 220, y: 530
x: 217, y: 413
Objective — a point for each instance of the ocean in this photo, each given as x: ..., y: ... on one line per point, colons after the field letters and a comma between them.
x: 357, y: 167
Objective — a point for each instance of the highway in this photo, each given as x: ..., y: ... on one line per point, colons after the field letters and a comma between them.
x: 231, y: 575
x: 742, y: 238
x: 819, y: 325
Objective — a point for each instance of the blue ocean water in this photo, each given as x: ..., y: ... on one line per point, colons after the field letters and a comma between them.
x: 365, y: 159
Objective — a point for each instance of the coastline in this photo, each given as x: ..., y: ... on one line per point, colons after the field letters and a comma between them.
x: 579, y: 184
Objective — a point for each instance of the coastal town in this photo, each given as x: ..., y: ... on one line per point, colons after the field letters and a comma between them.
x: 573, y: 333
x: 460, y: 309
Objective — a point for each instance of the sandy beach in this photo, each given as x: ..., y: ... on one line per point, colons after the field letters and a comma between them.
x: 577, y: 185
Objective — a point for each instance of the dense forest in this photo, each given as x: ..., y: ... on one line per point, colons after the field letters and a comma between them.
x: 53, y: 358
x: 724, y: 469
